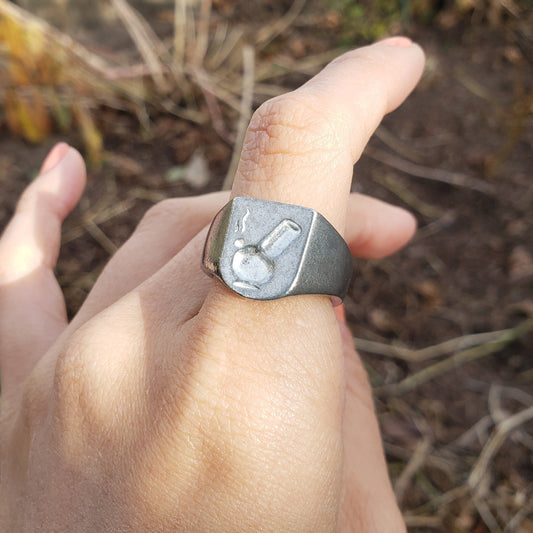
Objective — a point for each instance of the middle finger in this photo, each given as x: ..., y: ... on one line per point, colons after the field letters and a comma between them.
x: 374, y: 229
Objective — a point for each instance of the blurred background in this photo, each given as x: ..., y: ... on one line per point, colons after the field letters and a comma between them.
x: 157, y: 94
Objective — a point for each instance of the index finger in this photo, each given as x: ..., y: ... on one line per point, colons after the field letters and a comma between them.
x: 300, y: 148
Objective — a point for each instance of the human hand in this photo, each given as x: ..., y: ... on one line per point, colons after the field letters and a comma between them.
x: 169, y: 403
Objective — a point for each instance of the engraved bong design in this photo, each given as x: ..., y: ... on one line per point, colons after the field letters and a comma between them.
x: 254, y: 265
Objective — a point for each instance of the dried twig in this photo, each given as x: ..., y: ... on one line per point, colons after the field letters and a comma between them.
x: 515, y: 522
x: 485, y: 513
x: 180, y: 32
x: 269, y: 33
x: 99, y: 236
x: 409, y: 197
x: 430, y: 352
x: 202, y: 33
x: 208, y: 90
x: 248, y: 60
x: 478, y: 430
x: 434, y: 174
x: 405, y: 455
x: 386, y: 137
x: 308, y: 65
x: 442, y: 500
x: 503, y: 429
x: 225, y: 48
x: 416, y: 462
x: 99, y: 217
x: 456, y: 360
x: 147, y: 42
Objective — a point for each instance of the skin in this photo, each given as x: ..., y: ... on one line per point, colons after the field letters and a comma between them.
x: 170, y: 403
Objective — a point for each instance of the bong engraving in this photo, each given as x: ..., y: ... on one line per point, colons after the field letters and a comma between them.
x: 254, y: 265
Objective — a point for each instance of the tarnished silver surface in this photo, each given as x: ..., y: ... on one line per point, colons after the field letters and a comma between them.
x: 266, y: 250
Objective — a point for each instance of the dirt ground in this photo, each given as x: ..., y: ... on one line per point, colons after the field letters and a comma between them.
x: 459, y: 155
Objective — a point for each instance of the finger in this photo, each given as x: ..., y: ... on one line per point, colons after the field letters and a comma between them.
x: 300, y: 147
x: 376, y: 229
x: 54, y: 157
x: 366, y: 482
x: 32, y: 310
x: 162, y: 233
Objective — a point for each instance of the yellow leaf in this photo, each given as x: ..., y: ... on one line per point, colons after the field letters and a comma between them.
x: 27, y: 114
x: 92, y: 137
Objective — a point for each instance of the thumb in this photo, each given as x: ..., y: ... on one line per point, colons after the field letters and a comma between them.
x: 32, y: 309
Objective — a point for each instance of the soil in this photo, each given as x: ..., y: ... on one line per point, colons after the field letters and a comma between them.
x: 468, y: 270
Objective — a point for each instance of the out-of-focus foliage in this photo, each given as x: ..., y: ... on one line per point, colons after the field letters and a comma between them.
x: 39, y: 80
x: 366, y: 20
x: 369, y: 20
x: 30, y: 68
x: 52, y: 81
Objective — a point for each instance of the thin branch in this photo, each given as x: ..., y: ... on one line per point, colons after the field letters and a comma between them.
x: 99, y: 236
x: 486, y: 515
x: 180, y: 34
x: 402, y: 149
x: 434, y: 174
x: 269, y: 33
x: 405, y: 455
x: 98, y: 218
x: 202, y: 33
x: 456, y: 360
x: 416, y: 462
x: 502, y: 431
x: 404, y: 193
x: 210, y: 96
x: 515, y: 522
x: 147, y: 42
x: 85, y: 65
x: 226, y: 47
x: 479, y: 429
x: 430, y: 352
x: 248, y: 60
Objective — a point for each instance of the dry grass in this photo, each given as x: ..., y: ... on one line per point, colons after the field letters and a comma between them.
x: 476, y: 490
x: 52, y: 81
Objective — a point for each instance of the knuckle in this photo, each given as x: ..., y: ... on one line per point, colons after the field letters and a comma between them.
x: 87, y: 388
x: 70, y: 376
x: 163, y: 213
x: 279, y: 123
x: 297, y: 124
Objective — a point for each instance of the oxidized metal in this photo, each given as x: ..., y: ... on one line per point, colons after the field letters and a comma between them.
x: 266, y: 250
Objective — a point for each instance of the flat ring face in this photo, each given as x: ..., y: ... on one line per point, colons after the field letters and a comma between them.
x: 261, y: 249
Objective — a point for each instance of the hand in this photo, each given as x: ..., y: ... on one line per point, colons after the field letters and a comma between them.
x: 171, y: 404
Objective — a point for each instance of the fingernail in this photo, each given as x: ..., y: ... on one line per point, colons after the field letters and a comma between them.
x: 340, y: 313
x: 398, y: 42
x: 56, y: 154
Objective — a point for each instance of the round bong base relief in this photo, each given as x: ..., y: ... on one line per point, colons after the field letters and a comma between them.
x: 266, y: 250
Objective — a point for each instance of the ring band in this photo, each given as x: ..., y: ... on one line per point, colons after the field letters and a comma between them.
x: 267, y: 250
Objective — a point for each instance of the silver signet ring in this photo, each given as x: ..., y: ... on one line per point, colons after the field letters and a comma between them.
x: 266, y: 250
